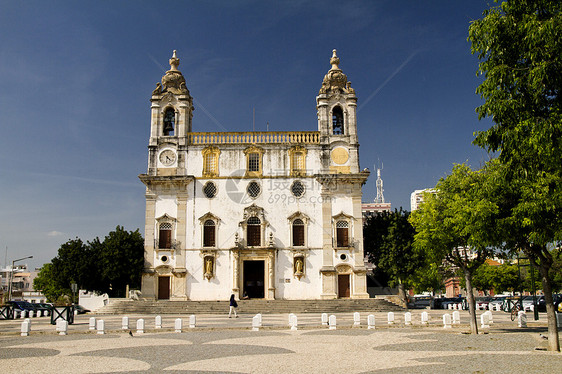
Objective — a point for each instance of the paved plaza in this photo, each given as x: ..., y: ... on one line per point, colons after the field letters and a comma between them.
x: 222, y: 345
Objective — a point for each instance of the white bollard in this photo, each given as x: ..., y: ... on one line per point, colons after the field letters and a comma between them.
x: 100, y: 326
x: 391, y: 318
x: 425, y: 318
x: 140, y: 326
x: 371, y: 321
x: 332, y: 322
x: 177, y: 325
x: 522, y: 319
x: 92, y: 323
x: 62, y: 327
x: 408, y: 319
x: 125, y: 323
x: 158, y: 322
x: 25, y: 328
x: 490, y: 317
x: 192, y: 321
x: 450, y: 306
x: 290, y: 318
x: 256, y: 323
x: 498, y: 307
x: 356, y: 319
x: 456, y: 317
x: 294, y: 323
x: 447, y: 321
x: 484, y: 321
x: 324, y: 318
x: 28, y: 321
x: 259, y: 318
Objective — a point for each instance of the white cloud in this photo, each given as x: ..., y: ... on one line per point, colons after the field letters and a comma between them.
x: 54, y: 233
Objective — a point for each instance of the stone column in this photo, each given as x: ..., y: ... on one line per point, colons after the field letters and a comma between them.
x: 235, y: 273
x: 271, y: 288
x: 148, y: 278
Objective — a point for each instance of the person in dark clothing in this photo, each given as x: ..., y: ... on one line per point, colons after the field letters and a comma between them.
x: 233, y: 306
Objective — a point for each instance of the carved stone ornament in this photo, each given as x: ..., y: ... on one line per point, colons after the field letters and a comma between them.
x: 209, y: 258
x: 335, y: 81
x: 174, y: 81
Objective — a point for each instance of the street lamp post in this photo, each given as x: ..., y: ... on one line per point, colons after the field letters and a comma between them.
x: 12, y: 276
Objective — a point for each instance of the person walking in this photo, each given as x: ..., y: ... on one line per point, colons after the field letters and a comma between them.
x: 233, y: 306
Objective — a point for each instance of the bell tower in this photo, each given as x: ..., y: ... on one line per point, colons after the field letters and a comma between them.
x: 336, y: 105
x: 171, y: 116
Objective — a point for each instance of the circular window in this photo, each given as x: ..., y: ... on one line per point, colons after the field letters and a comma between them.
x: 210, y: 190
x: 164, y: 259
x: 254, y: 189
x: 343, y: 257
x: 297, y: 189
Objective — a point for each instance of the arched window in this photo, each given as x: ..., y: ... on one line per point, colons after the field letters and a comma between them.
x: 209, y: 233
x: 165, y: 235
x: 298, y: 233
x: 337, y: 121
x: 169, y: 122
x: 342, y: 234
x: 253, y: 231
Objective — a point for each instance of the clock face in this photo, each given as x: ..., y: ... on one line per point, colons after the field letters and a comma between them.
x: 167, y: 157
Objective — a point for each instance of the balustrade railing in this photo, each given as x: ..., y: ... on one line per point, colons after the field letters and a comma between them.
x: 273, y: 137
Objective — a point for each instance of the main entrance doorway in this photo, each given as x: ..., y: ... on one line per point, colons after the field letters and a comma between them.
x: 254, y: 279
x: 163, y: 288
x: 343, y: 286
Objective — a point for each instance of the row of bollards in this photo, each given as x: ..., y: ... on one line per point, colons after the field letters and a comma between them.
x: 486, y: 319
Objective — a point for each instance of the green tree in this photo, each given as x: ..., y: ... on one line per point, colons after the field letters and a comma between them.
x: 46, y: 281
x: 388, y: 239
x: 453, y: 225
x: 429, y: 277
x: 498, y: 278
x: 122, y: 260
x: 520, y: 51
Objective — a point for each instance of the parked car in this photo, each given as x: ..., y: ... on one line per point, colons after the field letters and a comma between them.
x: 420, y: 302
x: 44, y: 308
x: 557, y: 299
x: 80, y: 309
x: 483, y: 302
x: 454, y: 300
x: 528, y: 302
x: 23, y: 306
x: 497, y: 300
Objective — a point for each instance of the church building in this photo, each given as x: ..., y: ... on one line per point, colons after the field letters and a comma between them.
x: 270, y: 215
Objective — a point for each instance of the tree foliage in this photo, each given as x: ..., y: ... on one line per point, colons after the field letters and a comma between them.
x: 388, y: 238
x: 520, y: 51
x: 106, y: 267
x: 453, y: 224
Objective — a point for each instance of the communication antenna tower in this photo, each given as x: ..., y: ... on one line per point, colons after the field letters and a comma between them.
x: 380, y: 195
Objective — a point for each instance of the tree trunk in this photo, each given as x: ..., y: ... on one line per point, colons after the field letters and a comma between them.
x: 402, y: 292
x: 553, y: 342
x: 470, y: 300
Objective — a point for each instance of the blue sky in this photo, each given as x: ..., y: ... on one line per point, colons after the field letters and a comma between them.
x: 77, y: 79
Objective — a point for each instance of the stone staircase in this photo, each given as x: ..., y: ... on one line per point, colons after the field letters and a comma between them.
x: 125, y: 306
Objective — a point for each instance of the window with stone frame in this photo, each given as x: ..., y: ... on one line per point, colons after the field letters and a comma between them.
x: 210, y: 162
x: 169, y: 122
x: 342, y: 233
x: 297, y: 160
x: 254, y: 161
x: 209, y: 233
x: 253, y: 232
x: 165, y: 235
x: 337, y: 121
x: 298, y: 233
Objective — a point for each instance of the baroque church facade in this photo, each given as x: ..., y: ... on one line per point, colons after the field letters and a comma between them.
x: 271, y: 215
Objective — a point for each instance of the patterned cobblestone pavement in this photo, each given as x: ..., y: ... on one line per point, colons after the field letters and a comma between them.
x: 222, y: 345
